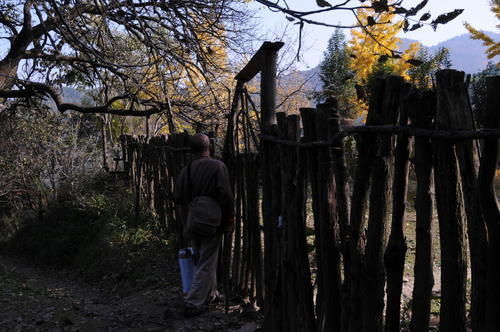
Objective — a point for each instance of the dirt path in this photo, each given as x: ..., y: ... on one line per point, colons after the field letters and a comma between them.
x: 34, y: 299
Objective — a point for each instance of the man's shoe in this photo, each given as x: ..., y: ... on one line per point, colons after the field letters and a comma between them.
x: 215, y: 297
x: 193, y: 310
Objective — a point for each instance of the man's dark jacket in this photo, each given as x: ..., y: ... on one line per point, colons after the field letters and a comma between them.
x: 209, y: 177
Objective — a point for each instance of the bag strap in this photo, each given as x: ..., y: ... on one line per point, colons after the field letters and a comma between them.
x: 190, y: 182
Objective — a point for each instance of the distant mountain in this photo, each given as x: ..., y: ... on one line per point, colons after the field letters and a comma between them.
x: 313, y: 79
x: 72, y: 95
x: 466, y: 54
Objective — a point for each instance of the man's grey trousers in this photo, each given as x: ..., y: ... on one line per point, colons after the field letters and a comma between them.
x: 205, y: 271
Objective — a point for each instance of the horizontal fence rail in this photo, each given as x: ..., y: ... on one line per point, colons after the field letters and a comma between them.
x: 456, y: 135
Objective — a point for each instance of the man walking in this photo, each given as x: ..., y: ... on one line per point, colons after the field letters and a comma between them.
x: 207, y: 177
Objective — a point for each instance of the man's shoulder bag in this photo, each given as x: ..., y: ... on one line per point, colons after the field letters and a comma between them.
x: 204, y: 213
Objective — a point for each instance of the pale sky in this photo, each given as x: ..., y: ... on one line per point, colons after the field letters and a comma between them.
x: 476, y: 12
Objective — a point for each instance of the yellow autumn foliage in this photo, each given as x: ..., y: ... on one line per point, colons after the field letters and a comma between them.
x: 197, y: 82
x: 493, y: 49
x: 367, y: 46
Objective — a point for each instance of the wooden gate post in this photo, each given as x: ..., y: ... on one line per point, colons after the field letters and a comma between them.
x: 270, y: 205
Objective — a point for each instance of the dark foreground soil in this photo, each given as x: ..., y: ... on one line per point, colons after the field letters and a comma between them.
x: 40, y: 299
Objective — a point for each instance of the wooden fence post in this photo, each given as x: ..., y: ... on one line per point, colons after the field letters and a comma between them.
x: 342, y: 197
x: 279, y: 190
x: 394, y: 257
x: 300, y: 309
x: 308, y: 116
x: 451, y: 219
x: 380, y: 193
x: 329, y: 283
x: 422, y: 114
x: 366, y: 153
x: 489, y: 204
x: 460, y: 118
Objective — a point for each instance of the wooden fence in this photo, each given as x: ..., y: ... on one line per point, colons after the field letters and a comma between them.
x: 360, y: 243
x: 352, y: 279
x: 152, y: 166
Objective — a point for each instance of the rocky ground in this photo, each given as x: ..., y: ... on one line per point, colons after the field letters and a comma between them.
x: 40, y: 299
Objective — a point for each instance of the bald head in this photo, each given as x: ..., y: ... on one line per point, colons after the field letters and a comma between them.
x: 200, y: 144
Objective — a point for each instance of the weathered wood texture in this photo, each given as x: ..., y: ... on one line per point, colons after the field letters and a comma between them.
x: 366, y: 154
x: 455, y: 102
x: 450, y: 207
x: 329, y: 281
x: 394, y: 258
x: 343, y: 203
x: 380, y: 195
x: 254, y: 66
x: 422, y: 113
x: 300, y: 309
x: 270, y: 193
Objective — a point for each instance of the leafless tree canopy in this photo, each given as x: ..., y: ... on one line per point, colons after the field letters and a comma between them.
x: 119, y: 48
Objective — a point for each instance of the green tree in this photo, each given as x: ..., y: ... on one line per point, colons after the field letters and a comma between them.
x: 422, y: 75
x: 477, y: 89
x: 336, y: 76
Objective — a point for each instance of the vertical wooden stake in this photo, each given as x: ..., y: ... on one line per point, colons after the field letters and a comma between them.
x: 451, y: 221
x: 422, y: 114
x: 489, y: 204
x: 381, y: 174
x: 366, y: 153
x: 394, y: 257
